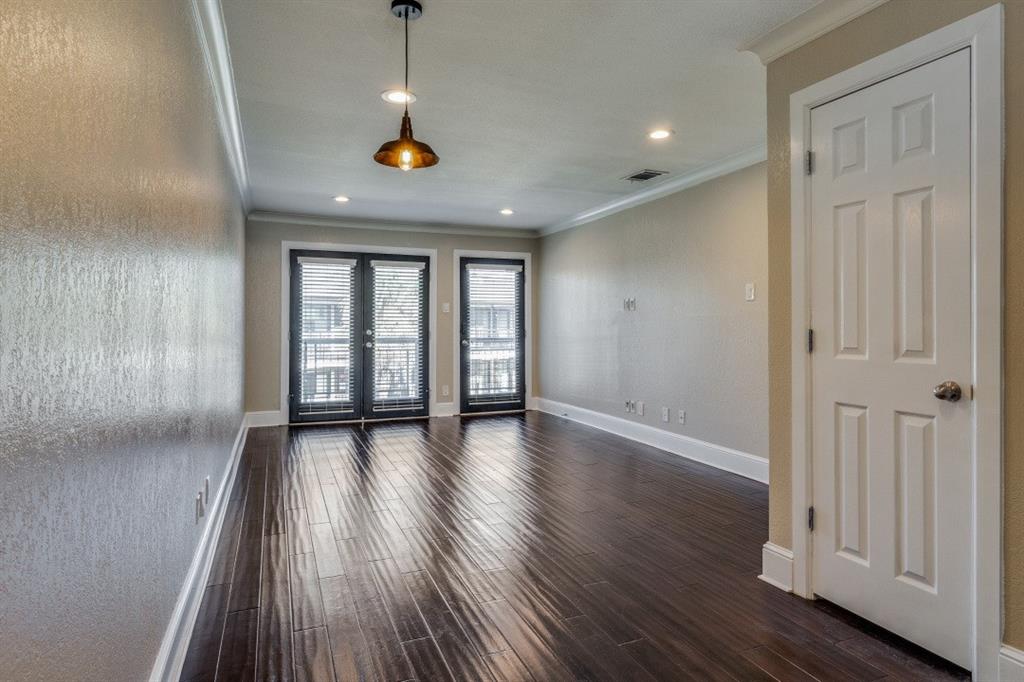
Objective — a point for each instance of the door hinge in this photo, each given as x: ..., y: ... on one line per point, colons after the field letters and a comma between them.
x: 810, y: 340
x: 810, y: 519
x: 809, y: 162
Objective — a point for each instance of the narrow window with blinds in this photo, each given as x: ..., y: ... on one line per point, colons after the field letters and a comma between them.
x: 493, y: 335
x: 358, y: 335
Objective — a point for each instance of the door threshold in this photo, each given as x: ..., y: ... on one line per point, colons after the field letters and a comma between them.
x: 351, y: 422
x: 490, y: 414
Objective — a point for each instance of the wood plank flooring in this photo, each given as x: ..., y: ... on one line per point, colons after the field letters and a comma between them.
x: 521, y: 547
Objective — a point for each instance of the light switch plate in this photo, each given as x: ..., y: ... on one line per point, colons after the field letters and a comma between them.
x: 664, y: 414
x: 640, y: 408
x: 749, y: 291
x: 446, y: 307
x: 682, y: 416
x: 445, y: 391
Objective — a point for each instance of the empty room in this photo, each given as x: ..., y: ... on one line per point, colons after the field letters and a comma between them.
x: 546, y: 340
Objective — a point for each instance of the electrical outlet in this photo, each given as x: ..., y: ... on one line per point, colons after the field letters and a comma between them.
x: 627, y: 406
x: 682, y: 416
x: 664, y: 414
x: 445, y: 390
x: 640, y: 408
x: 446, y: 307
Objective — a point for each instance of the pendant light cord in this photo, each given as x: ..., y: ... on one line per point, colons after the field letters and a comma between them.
x: 406, y: 60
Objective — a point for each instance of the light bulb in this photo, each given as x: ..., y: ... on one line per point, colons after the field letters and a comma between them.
x: 405, y: 160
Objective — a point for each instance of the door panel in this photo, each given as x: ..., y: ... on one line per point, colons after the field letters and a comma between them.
x: 890, y: 305
x: 492, y: 335
x: 396, y: 337
x: 326, y: 360
x: 358, y: 336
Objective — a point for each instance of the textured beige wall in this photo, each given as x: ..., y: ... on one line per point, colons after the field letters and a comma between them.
x: 120, y: 329
x: 263, y: 294
x: 890, y: 25
x: 693, y: 342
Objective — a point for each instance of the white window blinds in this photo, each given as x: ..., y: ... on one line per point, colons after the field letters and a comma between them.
x: 398, y: 325
x: 493, y: 329
x: 326, y: 291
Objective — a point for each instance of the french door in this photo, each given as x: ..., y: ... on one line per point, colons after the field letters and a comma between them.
x: 493, y: 335
x: 358, y: 334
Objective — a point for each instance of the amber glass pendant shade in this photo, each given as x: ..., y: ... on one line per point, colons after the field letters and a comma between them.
x: 406, y: 152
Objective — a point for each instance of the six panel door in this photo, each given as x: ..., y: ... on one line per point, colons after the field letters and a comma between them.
x: 890, y: 249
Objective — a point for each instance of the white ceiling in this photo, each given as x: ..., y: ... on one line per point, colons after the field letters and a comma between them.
x: 540, y: 105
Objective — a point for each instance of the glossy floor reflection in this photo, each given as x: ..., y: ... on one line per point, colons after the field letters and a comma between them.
x: 518, y: 547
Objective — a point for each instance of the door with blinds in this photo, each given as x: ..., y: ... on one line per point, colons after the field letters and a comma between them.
x: 493, y: 335
x: 358, y: 336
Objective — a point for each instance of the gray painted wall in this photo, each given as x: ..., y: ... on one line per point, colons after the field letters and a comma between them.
x: 693, y: 342
x: 120, y: 329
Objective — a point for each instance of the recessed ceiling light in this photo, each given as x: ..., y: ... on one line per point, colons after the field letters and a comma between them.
x: 507, y: 211
x: 398, y: 96
x: 660, y: 134
x: 341, y: 199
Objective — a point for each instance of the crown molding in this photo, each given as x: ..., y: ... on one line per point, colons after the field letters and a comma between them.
x: 805, y: 27
x: 695, y: 177
x: 214, y: 43
x: 389, y: 226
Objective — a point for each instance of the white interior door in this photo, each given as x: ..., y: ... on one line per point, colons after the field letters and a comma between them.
x: 891, y: 313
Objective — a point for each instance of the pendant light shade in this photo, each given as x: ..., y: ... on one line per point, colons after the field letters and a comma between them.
x: 406, y: 152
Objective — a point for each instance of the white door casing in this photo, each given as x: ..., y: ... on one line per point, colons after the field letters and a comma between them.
x: 890, y: 275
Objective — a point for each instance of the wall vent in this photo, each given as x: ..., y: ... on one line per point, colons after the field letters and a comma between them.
x: 645, y: 175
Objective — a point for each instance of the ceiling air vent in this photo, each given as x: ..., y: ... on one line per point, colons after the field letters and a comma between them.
x: 645, y: 175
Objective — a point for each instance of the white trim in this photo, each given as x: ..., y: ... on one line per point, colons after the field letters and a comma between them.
x: 214, y: 44
x: 724, y: 166
x: 287, y: 246
x: 1011, y: 664
x: 802, y: 29
x: 174, y: 646
x: 727, y: 459
x: 445, y: 410
x: 267, y: 418
x: 388, y: 226
x: 457, y: 255
x: 777, y: 566
x: 983, y: 33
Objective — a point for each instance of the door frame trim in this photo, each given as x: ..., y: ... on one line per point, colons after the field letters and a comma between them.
x: 983, y: 33
x: 457, y: 256
x: 285, y: 355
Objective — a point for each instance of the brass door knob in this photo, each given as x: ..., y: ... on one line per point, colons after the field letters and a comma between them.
x: 948, y: 390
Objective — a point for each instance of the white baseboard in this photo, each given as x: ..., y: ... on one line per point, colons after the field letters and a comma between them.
x: 727, y: 459
x: 1011, y: 664
x: 267, y: 418
x: 444, y: 410
x: 171, y: 657
x: 777, y: 566
x: 533, y: 403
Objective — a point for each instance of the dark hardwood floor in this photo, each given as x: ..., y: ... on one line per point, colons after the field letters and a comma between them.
x: 517, y: 547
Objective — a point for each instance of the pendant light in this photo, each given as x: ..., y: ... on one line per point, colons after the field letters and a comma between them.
x: 406, y: 152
